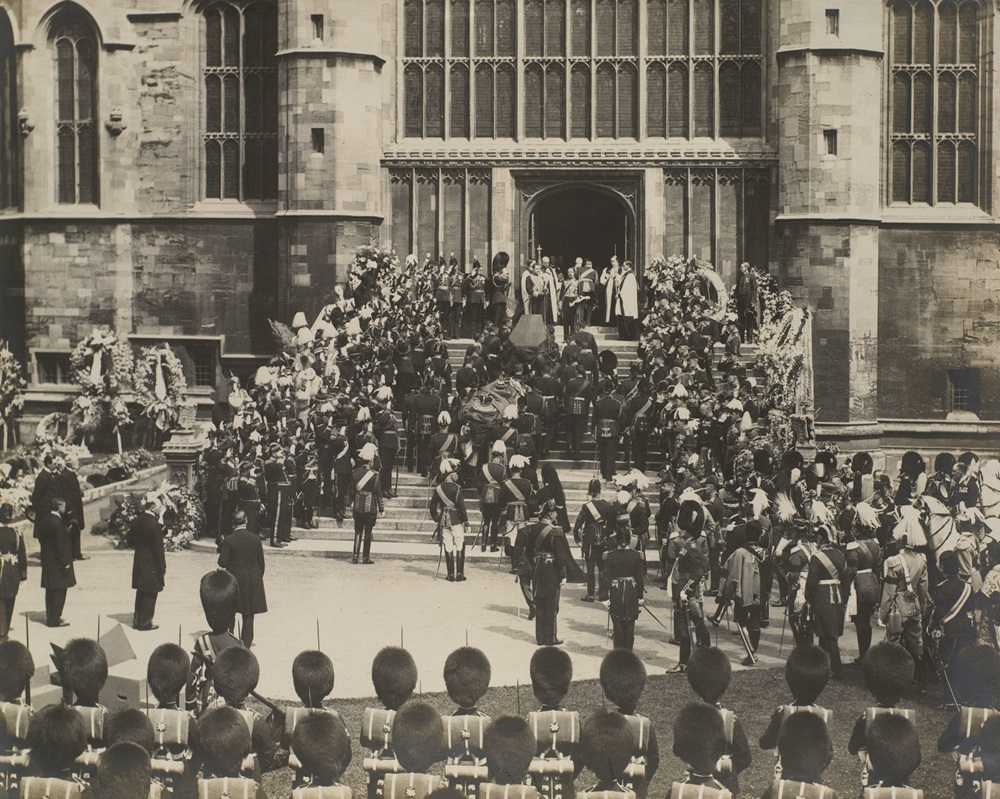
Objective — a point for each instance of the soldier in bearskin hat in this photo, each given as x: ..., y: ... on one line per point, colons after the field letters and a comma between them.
x: 17, y: 667
x: 941, y: 484
x: 623, y: 679
x: 700, y: 742
x: 912, y: 478
x: 509, y: 746
x: 862, y: 484
x: 394, y: 676
x: 219, y: 593
x: 467, y: 674
x: 888, y: 672
x: 418, y: 739
x: 323, y: 747
x: 687, y: 560
x: 606, y: 747
x: 828, y: 582
x: 83, y: 667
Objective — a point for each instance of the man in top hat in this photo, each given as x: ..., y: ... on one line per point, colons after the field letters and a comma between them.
x: 608, y: 409
x: 149, y: 565
x: 367, y: 500
x: 242, y: 555
x: 57, y: 561
x: 447, y: 508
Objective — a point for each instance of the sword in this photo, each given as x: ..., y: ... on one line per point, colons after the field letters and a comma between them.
x: 656, y: 619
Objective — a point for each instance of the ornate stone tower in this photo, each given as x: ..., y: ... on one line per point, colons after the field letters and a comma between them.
x: 829, y: 96
x: 332, y: 104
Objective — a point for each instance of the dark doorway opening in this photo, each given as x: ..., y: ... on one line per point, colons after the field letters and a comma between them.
x: 578, y: 221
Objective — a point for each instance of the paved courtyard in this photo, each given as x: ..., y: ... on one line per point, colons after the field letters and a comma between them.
x: 360, y: 609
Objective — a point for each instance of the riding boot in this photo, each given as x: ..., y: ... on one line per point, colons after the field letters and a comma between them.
x: 367, y: 550
x: 357, y: 547
x: 864, y: 639
x: 529, y: 598
x: 460, y: 577
x: 449, y: 559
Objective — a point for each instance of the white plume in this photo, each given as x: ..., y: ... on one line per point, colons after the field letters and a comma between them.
x: 682, y: 413
x: 867, y: 515
x: 510, y: 412
x: 519, y: 462
x: 444, y: 417
x: 368, y: 452
x: 679, y: 391
x: 448, y: 465
x: 786, y: 508
x: 364, y: 414
x: 746, y: 423
x: 820, y: 512
x: 499, y: 446
x: 909, y: 526
x: 759, y: 502
x: 734, y: 405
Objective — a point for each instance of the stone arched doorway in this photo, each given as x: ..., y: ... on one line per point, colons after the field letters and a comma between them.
x: 581, y: 220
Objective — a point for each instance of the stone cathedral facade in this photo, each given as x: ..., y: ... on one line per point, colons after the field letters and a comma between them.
x: 187, y: 169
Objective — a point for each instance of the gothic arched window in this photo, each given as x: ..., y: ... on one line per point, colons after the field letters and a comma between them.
x: 241, y: 101
x: 75, y: 47
x: 935, y: 90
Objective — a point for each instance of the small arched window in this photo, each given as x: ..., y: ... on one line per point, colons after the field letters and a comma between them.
x: 73, y: 38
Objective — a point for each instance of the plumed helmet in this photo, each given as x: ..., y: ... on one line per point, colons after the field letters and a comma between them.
x: 862, y: 463
x: 968, y: 458
x: 467, y: 674
x: 912, y: 464
x: 691, y: 517
x: 418, y: 736
x: 368, y: 452
x: 444, y: 418
x: 448, y: 466
x: 364, y: 414
x: 762, y: 461
x: 498, y: 447
x: 828, y: 461
x: 944, y: 462
x: 509, y: 745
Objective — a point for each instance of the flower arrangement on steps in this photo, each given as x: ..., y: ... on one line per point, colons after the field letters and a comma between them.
x: 12, y: 386
x: 160, y: 389
x: 101, y: 365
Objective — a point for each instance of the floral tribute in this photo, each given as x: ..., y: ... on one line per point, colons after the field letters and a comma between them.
x: 101, y: 365
x: 183, y: 517
x: 160, y: 385
x: 12, y: 386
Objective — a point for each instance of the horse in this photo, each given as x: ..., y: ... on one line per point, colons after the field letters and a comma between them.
x: 928, y: 522
x: 989, y: 488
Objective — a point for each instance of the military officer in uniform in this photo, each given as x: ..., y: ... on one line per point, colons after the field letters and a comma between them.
x: 493, y: 476
x: 366, y: 499
x: 607, y: 428
x: 687, y: 558
x: 594, y: 525
x: 457, y: 284
x: 576, y: 401
x: 640, y: 418
x: 279, y: 498
x: 828, y: 583
x: 422, y: 415
x: 475, y: 299
x: 447, y: 508
x: 549, y: 571
x: 387, y: 435
x: 587, y: 291
x: 624, y: 573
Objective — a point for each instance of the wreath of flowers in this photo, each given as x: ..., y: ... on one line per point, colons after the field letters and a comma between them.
x: 160, y: 385
x: 182, y: 523
x: 101, y: 365
x: 12, y: 386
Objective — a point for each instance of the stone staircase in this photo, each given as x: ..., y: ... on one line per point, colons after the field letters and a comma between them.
x: 406, y: 527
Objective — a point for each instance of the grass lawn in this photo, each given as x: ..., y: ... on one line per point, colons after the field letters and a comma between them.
x: 753, y: 694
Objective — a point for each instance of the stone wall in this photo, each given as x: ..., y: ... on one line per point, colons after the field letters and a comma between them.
x: 940, y: 310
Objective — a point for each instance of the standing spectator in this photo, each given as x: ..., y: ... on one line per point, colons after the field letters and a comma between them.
x: 149, y: 565
x: 242, y: 555
x: 57, y: 561
x: 69, y: 484
x: 747, y: 300
x: 627, y: 309
x: 13, y: 568
x: 46, y: 490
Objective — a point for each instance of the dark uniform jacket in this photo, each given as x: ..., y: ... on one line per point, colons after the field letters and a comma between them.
x: 374, y: 485
x: 507, y: 495
x: 71, y: 492
x: 608, y: 407
x: 624, y: 563
x: 149, y: 565
x: 57, y: 552
x: 548, y: 558
x: 588, y: 531
x: 578, y: 387
x: 953, y: 598
x: 448, y: 509
x: 242, y: 555
x: 46, y: 490
x: 12, y: 546
x: 828, y: 598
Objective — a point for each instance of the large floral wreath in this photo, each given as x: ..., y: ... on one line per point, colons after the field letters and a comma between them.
x: 101, y: 365
x: 160, y: 385
x: 12, y: 385
x: 183, y: 520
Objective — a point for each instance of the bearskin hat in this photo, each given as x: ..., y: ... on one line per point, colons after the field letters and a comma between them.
x: 467, y: 676
x: 708, y: 673
x: 763, y: 463
x: 167, y: 672
x: 130, y: 725
x: 804, y: 744
x: 828, y: 461
x: 219, y: 593
x: 792, y: 459
x: 124, y: 770
x: 312, y: 676
x: 976, y: 676
x: 221, y: 741
x: 57, y: 736
x: 235, y: 674
x: 509, y: 745
x: 83, y: 667
x: 606, y: 744
x: 16, y: 669
x: 691, y: 517
x: 968, y: 458
x: 944, y: 462
x: 394, y: 675
x: 807, y: 671
x: 418, y: 736
x: 551, y: 673
x: 912, y: 463
x: 699, y: 736
x: 322, y: 745
x: 893, y: 748
x: 862, y: 463
x: 623, y: 678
